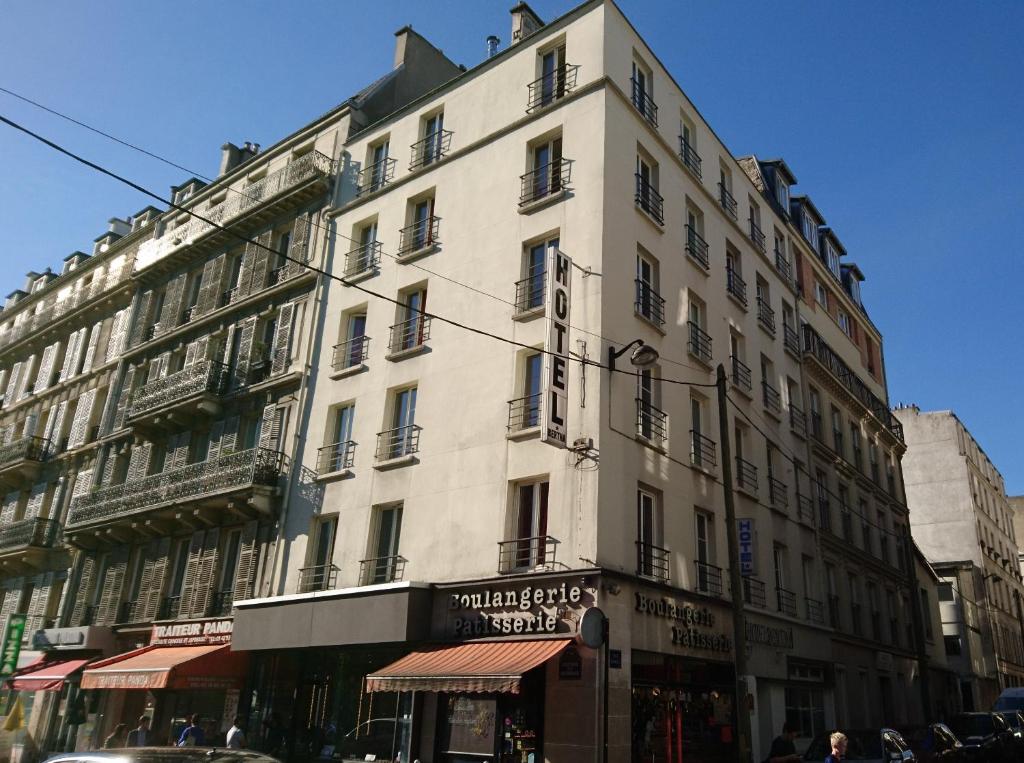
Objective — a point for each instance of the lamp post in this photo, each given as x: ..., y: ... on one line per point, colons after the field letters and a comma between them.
x: 644, y: 356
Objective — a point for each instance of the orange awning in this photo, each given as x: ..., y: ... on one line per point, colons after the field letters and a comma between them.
x: 49, y: 677
x: 488, y: 666
x: 170, y: 667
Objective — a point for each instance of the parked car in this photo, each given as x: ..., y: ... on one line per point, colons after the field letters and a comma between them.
x: 934, y: 743
x: 985, y: 737
x: 163, y: 755
x: 1015, y: 720
x: 868, y: 745
x: 1010, y: 699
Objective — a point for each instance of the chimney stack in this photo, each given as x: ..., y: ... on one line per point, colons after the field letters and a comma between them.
x: 228, y: 158
x: 524, y: 22
x: 492, y: 45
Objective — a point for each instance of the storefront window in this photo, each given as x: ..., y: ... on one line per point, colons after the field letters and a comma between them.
x: 805, y: 710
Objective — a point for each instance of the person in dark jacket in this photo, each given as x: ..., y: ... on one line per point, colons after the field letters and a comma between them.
x: 783, y: 750
x: 139, y: 736
x: 193, y: 734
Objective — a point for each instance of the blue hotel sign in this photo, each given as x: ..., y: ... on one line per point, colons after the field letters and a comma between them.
x: 745, y: 531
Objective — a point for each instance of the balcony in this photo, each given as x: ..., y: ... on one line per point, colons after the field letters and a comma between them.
x: 382, y: 569
x: 765, y: 315
x: 245, y: 478
x: 797, y: 421
x: 651, y: 423
x: 815, y: 610
x: 690, y: 157
x: 778, y: 494
x: 408, y: 335
x: 130, y: 612
x: 221, y: 603
x: 418, y: 238
x: 815, y: 347
x: 530, y: 292
x: 195, y: 390
x: 786, y: 601
x: 524, y: 413
x: 771, y: 398
x: 708, y: 579
x: 648, y: 304
x: 833, y: 612
x: 741, y: 377
x: 337, y: 457
x: 754, y: 592
x: 22, y: 460
x: 431, y: 149
x: 699, y: 343
x: 746, y: 476
x: 782, y: 265
x: 652, y: 561
x: 401, y: 442
x: 545, y: 182
x: 757, y: 235
x: 169, y: 608
x: 702, y: 451
x: 790, y: 339
x: 644, y: 103
x: 649, y: 200
x: 805, y: 509
x: 375, y: 176
x: 697, y: 248
x: 350, y: 354
x: 551, y: 87
x: 28, y: 541
x: 727, y: 201
x: 736, y: 286
x: 365, y: 258
x: 527, y: 554
x: 320, y: 577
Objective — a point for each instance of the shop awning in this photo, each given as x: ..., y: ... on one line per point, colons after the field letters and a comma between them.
x: 170, y: 667
x: 50, y: 677
x: 488, y: 666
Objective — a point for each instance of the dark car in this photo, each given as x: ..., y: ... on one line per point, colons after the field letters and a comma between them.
x: 163, y: 755
x: 1015, y: 720
x: 985, y: 737
x: 934, y: 743
x: 869, y: 745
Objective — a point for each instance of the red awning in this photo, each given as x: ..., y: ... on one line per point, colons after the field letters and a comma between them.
x: 49, y: 677
x: 170, y: 667
x: 487, y: 666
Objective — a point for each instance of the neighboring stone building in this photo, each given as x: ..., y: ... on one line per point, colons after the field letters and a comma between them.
x: 963, y: 522
x: 1017, y: 506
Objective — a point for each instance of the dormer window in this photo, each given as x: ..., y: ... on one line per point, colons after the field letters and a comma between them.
x: 183, y: 194
x: 809, y: 227
x: 832, y: 258
x: 781, y: 190
x: 853, y: 287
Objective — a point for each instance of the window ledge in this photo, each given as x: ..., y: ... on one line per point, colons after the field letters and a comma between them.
x: 708, y: 471
x: 350, y: 371
x: 529, y: 433
x: 769, y: 331
x: 396, y: 463
x: 652, y: 444
x: 777, y: 415
x: 749, y: 394
x: 660, y: 227
x: 737, y: 300
x: 792, y: 352
x: 340, y: 474
x: 748, y: 492
x: 423, y: 251
x: 798, y: 433
x: 546, y: 201
x: 411, y: 352
x: 362, y: 275
x: 650, y: 322
x: 704, y: 271
x: 529, y: 315
x: 704, y: 363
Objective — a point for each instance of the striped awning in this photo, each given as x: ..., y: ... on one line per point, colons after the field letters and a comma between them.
x: 49, y: 677
x: 212, y: 666
x: 487, y: 666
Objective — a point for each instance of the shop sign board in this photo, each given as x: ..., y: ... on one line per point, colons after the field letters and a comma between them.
x: 615, y: 659
x: 14, y: 630
x: 779, y: 638
x: 570, y: 664
x: 539, y: 609
x: 745, y: 532
x: 193, y: 633
x: 691, y: 625
x: 555, y: 404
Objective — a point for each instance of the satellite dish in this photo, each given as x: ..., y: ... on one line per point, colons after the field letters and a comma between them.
x: 592, y: 627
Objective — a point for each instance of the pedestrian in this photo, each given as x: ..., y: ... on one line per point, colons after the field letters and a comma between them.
x: 783, y: 750
x: 838, y: 741
x: 273, y: 735
x: 192, y: 735
x: 236, y: 737
x: 139, y: 735
x: 117, y: 737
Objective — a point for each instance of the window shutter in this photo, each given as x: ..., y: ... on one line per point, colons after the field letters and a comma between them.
x: 245, y: 272
x: 9, y: 507
x: 123, y: 399
x: 158, y: 367
x: 90, y: 350
x: 260, y: 264
x: 270, y: 433
x: 36, y: 498
x: 118, y: 333
x: 85, y: 580
x: 281, y: 351
x: 205, y: 574
x: 138, y: 462
x: 212, y: 285
x: 60, y: 581
x: 113, y: 583
x: 240, y: 375
x: 107, y: 475
x: 83, y: 417
x: 248, y: 561
x: 154, y: 579
x: 22, y: 391
x: 229, y: 439
x: 38, y: 606
x: 55, y: 425
x: 191, y: 350
x: 73, y: 354
x: 170, y: 311
x: 83, y: 481
x: 177, y: 451
x: 31, y: 422
x: 6, y: 434
x: 216, y: 433
x: 11, y: 597
x: 12, y: 383
x: 143, y: 320
x: 46, y: 364
x: 188, y: 585
x: 298, y: 244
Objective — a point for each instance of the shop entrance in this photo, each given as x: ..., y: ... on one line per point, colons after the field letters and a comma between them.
x: 683, y: 710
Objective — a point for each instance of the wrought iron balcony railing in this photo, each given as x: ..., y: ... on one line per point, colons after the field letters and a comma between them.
x: 708, y: 578
x: 363, y: 259
x: 697, y: 248
x: 221, y: 603
x: 797, y: 420
x: 746, y: 475
x: 129, y: 612
x: 824, y: 513
x: 690, y: 157
x: 521, y: 554
x: 771, y: 397
x: 169, y: 608
x: 815, y: 610
x: 754, y: 592
x: 652, y: 561
x: 432, y: 148
x: 644, y: 103
x: 790, y: 339
x: 321, y: 577
x: 25, y: 533
x: 805, y: 508
x: 699, y: 344
x: 530, y: 291
x: 546, y: 180
x: 422, y: 234
x: 226, y: 473
x: 735, y: 285
x: 350, y: 353
x: 741, y: 376
x: 375, y: 176
x: 765, y: 315
x: 649, y: 200
x: 702, y: 450
x: 410, y: 333
x: 648, y: 303
x: 757, y: 235
x: 786, y: 601
x: 524, y: 412
x: 782, y: 265
x: 398, y: 442
x: 651, y: 422
x: 335, y: 457
x: 726, y: 200
x: 778, y: 493
x: 551, y: 87
x: 204, y: 376
x: 30, y: 448
x: 382, y: 569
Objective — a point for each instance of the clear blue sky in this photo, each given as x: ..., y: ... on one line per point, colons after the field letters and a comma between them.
x: 902, y: 120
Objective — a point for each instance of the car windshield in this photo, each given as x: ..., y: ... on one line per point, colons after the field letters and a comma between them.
x: 971, y: 726
x: 1009, y: 703
x: 864, y: 745
x: 1013, y: 720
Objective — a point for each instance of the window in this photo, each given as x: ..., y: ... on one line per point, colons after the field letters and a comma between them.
x: 725, y: 196
x: 525, y: 412
x: 953, y: 647
x: 643, y: 92
x: 652, y: 423
x: 227, y: 572
x: 552, y: 75
x: 648, y: 303
x: 647, y: 197
x: 366, y: 254
x: 862, y: 509
x: 855, y: 608
x: 545, y: 176
x: 734, y: 284
x: 192, y: 286
x: 530, y: 288
x: 696, y: 246
x: 844, y: 322
x: 320, y: 576
x: 379, y: 168
x: 771, y: 398
x: 531, y: 528
x: 688, y: 145
x: 945, y: 591
x: 421, y: 231
x: 385, y: 565
x: 809, y: 227
x: 832, y: 258
x: 652, y: 560
x: 816, y: 424
x: 702, y: 449
x: 756, y: 234
x: 782, y: 263
x: 858, y: 457
x: 837, y: 433
x: 805, y: 710
x: 786, y: 598
x: 435, y: 142
x: 699, y: 343
x: 171, y: 605
x: 820, y: 294
x: 781, y: 191
x: 824, y: 510
x: 340, y: 452
x: 926, y: 615
x: 412, y: 328
x: 740, y: 370
x: 352, y: 351
x: 403, y: 437
x: 709, y: 577
x: 833, y: 595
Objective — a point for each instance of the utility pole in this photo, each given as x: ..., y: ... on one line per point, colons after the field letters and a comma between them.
x: 739, y: 622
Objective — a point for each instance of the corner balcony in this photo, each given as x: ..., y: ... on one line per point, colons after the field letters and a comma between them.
x: 27, y: 543
x: 179, y: 398
x: 22, y: 460
x: 243, y: 483
x: 527, y: 554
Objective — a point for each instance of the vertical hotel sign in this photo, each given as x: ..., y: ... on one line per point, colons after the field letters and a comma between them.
x: 14, y: 630
x: 745, y: 534
x: 556, y: 360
